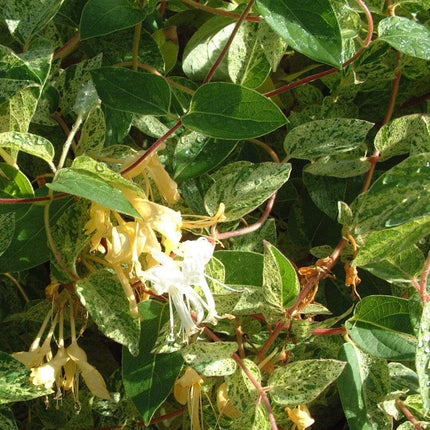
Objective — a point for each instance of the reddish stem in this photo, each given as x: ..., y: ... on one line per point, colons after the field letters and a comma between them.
x: 153, y: 148
x: 251, y: 377
x: 273, y: 336
x: 424, y: 279
x: 229, y: 42
x: 69, y: 47
x: 330, y: 331
x: 407, y: 413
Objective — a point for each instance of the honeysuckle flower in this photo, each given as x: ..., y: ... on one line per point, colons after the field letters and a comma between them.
x: 178, y: 277
x: 301, y: 417
x: 159, y: 218
x: 224, y: 404
x: 188, y: 390
x: 167, y: 187
x: 100, y: 224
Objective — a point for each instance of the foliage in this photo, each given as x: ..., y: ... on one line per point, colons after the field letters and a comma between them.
x: 215, y: 214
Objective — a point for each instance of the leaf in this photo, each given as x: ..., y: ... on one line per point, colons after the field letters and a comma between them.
x: 93, y: 132
x: 235, y: 263
x: 326, y: 137
x: 15, y: 385
x: 7, y: 229
x: 211, y: 359
x: 7, y: 419
x: 273, y: 45
x: 398, y: 196
x: 363, y: 384
x: 38, y: 59
x: 30, y: 143
x: 381, y: 326
x: 241, y: 390
x: 130, y: 91
x: 280, y: 281
x: 389, y: 242
x: 28, y: 247
x: 402, y: 378
x: 148, y: 378
x: 309, y: 26
x: 302, y: 381
x: 422, y: 359
x: 101, y: 17
x: 339, y: 166
x: 253, y: 242
x: 13, y: 184
x: 84, y: 183
x: 103, y: 296
x: 407, y: 134
x: 196, y: 154
x: 25, y: 19
x: 401, y: 266
x: 242, y: 187
x: 406, y: 35
x: 229, y: 111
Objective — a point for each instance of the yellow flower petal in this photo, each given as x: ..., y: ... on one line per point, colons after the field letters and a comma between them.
x: 224, y: 404
x: 300, y: 416
x: 48, y: 373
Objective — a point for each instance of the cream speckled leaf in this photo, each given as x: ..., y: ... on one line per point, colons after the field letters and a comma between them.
x: 338, y: 167
x: 211, y: 359
x: 30, y: 143
x: 103, y: 296
x: 274, y: 46
x: 241, y: 390
x: 7, y: 229
x: 26, y: 18
x: 244, y: 187
x: 93, y: 132
x: 326, y: 137
x: 400, y: 195
x: 255, y: 418
x: 15, y: 385
x: 302, y: 381
x: 407, y: 134
x: 422, y: 359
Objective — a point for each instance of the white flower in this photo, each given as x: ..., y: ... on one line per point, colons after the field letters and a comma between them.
x: 178, y: 277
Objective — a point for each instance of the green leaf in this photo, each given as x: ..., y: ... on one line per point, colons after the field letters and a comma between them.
x: 28, y: 246
x: 15, y: 385
x: 422, y: 359
x: 402, y: 378
x: 381, y: 326
x: 196, y: 154
x: 235, y: 263
x: 243, y: 186
x: 302, y: 381
x: 339, y: 166
x: 406, y: 35
x: 148, y: 378
x: 38, y: 59
x: 130, y: 91
x: 103, y: 296
x: 7, y: 229
x: 101, y: 17
x: 326, y: 137
x: 280, y: 282
x: 400, y: 195
x: 242, y: 392
x: 25, y: 19
x: 309, y: 26
x: 273, y: 45
x: 400, y: 266
x: 7, y: 419
x: 93, y: 132
x: 211, y: 359
x: 13, y: 184
x: 94, y: 186
x: 29, y: 143
x: 407, y: 134
x: 363, y: 384
x: 229, y: 111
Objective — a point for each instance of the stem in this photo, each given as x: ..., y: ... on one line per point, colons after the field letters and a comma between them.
x: 136, y: 40
x: 407, y: 413
x: 251, y: 377
x: 69, y: 47
x: 219, y: 11
x: 152, y: 149
x: 229, y: 42
x: 424, y: 279
x: 330, y: 331
x: 316, y: 76
x: 57, y: 116
x: 273, y: 336
x: 18, y: 285
x: 69, y: 140
x: 33, y: 199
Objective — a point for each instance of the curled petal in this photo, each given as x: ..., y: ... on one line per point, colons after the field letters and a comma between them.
x: 224, y: 404
x: 300, y: 416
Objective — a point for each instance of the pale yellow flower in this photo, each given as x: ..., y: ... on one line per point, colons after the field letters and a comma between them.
x: 167, y: 187
x: 301, y: 417
x: 99, y: 223
x: 49, y: 373
x: 188, y: 390
x: 224, y: 404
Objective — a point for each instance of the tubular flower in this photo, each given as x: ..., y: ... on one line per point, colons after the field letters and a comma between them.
x: 224, y: 404
x: 177, y: 278
x: 167, y: 187
x: 49, y: 373
x: 100, y: 224
x: 188, y: 390
x: 301, y: 417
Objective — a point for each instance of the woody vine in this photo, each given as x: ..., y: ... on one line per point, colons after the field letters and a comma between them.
x: 215, y: 214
